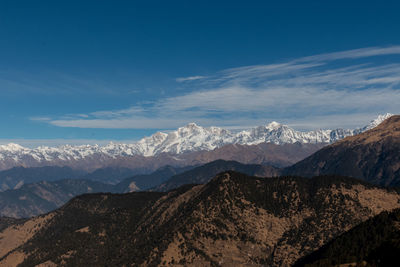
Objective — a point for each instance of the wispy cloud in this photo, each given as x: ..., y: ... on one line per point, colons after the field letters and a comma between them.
x: 43, y: 119
x: 191, y: 78
x: 339, y: 89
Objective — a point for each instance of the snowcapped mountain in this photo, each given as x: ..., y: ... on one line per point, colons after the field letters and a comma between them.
x: 189, y: 138
x: 195, y: 138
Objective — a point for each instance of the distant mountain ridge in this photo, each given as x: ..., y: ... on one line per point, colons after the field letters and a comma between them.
x: 41, y: 197
x: 16, y: 177
x: 264, y: 153
x: 190, y: 138
x: 204, y: 173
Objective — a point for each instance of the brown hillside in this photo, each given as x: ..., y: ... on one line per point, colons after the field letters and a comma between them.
x: 388, y: 129
x: 373, y: 156
x: 234, y: 220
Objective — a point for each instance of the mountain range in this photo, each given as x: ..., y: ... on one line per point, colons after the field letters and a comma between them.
x: 188, y: 139
x: 16, y: 177
x: 37, y: 198
x: 203, y: 174
x: 372, y: 156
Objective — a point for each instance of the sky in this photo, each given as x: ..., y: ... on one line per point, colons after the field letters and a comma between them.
x: 94, y: 71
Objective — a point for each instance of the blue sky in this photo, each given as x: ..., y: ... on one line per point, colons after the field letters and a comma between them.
x: 78, y: 71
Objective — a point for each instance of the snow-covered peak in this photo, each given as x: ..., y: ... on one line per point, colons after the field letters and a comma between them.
x: 377, y: 121
x: 273, y: 125
x: 189, y: 138
x: 12, y: 147
x: 191, y: 125
x: 189, y: 129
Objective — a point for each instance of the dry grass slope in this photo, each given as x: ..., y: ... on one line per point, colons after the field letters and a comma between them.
x: 234, y: 220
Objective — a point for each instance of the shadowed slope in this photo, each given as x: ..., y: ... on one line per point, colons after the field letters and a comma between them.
x: 375, y: 242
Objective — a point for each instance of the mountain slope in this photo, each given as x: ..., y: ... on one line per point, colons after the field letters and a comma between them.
x: 147, y: 181
x: 41, y: 197
x: 375, y: 242
x: 16, y: 177
x: 373, y: 156
x: 231, y: 221
x: 190, y: 138
x: 110, y: 175
x: 6, y: 222
x: 44, y: 196
x: 204, y: 173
